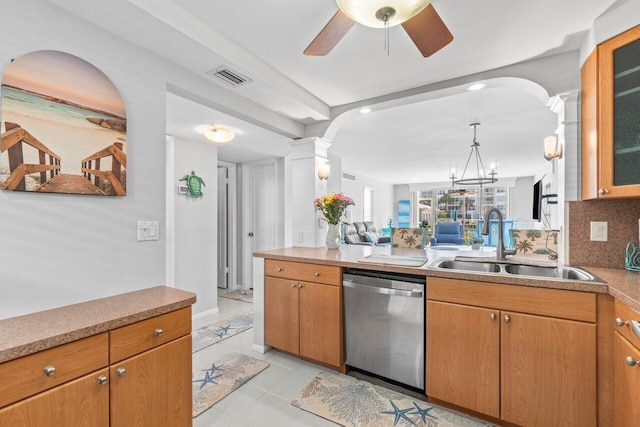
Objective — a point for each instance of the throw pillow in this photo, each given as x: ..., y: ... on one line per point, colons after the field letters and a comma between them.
x: 371, y: 237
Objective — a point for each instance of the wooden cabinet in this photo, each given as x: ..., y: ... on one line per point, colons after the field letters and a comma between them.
x: 136, y: 375
x: 626, y: 368
x: 303, y: 311
x: 501, y: 350
x: 611, y: 119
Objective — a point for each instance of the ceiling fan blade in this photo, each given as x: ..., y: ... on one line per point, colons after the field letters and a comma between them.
x: 428, y: 31
x: 330, y: 35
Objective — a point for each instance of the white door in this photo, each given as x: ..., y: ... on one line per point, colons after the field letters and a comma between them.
x: 260, y: 215
x: 223, y: 227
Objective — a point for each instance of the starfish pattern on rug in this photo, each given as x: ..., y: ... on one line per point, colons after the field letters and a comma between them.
x: 399, y: 413
x: 208, y: 379
x: 424, y: 413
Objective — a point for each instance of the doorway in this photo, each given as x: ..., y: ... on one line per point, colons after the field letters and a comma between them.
x: 227, y: 247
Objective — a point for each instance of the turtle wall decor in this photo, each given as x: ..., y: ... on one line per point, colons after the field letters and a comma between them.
x: 194, y: 184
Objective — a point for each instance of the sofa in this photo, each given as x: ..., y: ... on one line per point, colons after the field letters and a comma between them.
x: 364, y: 233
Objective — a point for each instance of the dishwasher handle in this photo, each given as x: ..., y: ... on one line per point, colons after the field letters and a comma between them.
x: 384, y: 291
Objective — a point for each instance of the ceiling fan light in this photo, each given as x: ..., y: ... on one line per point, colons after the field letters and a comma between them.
x: 365, y: 12
x: 219, y: 133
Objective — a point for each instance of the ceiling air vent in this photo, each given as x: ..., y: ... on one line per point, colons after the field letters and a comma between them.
x: 229, y: 76
x: 348, y: 176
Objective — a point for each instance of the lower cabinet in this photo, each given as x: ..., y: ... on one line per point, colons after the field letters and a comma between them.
x: 626, y: 366
x: 138, y: 375
x: 525, y: 368
x: 304, y: 317
x: 153, y: 388
x: 83, y: 402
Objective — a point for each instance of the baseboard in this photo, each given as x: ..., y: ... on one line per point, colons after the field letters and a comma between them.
x: 260, y: 348
x: 205, y: 313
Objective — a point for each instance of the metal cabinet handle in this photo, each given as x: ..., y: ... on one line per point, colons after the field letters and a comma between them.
x: 317, y: 274
x: 158, y: 332
x: 301, y: 285
x: 631, y: 361
x: 293, y: 285
x: 621, y: 322
x: 280, y: 269
x: 507, y: 319
x: 603, y: 191
x: 121, y: 372
x: 49, y: 371
x: 493, y: 316
x: 102, y: 380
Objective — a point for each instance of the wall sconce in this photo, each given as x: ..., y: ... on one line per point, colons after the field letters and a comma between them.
x: 323, y: 172
x: 552, y: 148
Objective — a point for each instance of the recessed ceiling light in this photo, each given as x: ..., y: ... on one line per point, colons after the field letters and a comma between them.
x: 365, y: 110
x: 476, y: 86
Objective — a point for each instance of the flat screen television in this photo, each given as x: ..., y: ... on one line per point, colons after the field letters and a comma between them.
x: 537, y: 200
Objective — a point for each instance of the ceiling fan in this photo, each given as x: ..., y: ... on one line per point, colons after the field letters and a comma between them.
x: 418, y: 18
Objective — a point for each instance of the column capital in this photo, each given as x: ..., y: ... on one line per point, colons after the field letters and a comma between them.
x: 310, y: 147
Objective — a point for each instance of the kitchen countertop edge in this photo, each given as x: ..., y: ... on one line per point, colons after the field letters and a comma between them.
x: 31, y: 333
x: 621, y: 284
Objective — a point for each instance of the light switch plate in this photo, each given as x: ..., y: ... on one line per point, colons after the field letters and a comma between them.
x: 598, y: 231
x: 148, y: 230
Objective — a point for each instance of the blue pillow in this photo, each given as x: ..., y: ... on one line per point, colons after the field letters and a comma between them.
x: 371, y: 237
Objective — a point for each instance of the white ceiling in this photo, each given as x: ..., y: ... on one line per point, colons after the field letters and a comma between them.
x: 265, y: 39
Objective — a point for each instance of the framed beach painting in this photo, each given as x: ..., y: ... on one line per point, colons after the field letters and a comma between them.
x: 64, y: 127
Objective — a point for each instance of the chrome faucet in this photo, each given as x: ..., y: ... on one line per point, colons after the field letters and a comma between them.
x: 501, y: 252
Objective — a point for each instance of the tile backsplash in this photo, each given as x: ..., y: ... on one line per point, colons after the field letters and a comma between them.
x: 622, y: 217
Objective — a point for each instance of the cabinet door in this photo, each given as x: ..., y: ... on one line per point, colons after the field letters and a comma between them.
x: 619, y: 120
x: 320, y: 323
x: 463, y: 356
x: 80, y: 403
x: 155, y: 387
x: 281, y: 314
x: 548, y: 371
x: 627, y: 383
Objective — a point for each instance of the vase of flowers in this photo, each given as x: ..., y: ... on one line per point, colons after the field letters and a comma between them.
x: 333, y: 207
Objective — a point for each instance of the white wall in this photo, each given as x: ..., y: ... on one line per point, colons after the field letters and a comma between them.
x: 383, y: 198
x: 59, y: 249
x: 195, y: 223
x: 521, y: 199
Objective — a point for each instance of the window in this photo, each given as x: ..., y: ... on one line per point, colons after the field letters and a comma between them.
x: 367, y: 204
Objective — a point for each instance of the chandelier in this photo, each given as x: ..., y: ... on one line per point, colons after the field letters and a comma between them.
x: 482, y: 176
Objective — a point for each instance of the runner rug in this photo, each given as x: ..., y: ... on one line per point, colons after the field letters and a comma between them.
x: 224, y: 376
x: 241, y: 295
x: 350, y: 402
x: 218, y: 331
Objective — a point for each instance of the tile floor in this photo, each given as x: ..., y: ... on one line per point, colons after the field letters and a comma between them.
x: 265, y: 400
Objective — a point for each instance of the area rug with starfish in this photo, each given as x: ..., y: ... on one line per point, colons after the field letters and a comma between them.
x: 350, y: 402
x: 210, y: 334
x: 224, y: 376
x: 241, y: 295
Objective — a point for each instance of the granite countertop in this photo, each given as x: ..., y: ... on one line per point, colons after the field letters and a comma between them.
x: 621, y: 284
x: 23, y: 335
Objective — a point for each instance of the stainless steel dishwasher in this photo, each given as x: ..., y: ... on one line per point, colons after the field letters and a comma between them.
x: 384, y: 316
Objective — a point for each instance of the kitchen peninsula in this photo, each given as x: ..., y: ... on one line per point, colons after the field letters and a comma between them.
x: 569, y: 325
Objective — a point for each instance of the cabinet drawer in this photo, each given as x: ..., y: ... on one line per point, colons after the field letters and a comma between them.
x: 141, y: 336
x: 24, y: 377
x: 328, y: 275
x: 625, y: 313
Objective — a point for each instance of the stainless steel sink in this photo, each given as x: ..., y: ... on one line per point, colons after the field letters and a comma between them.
x: 569, y: 273
x: 481, y: 266
x: 498, y: 267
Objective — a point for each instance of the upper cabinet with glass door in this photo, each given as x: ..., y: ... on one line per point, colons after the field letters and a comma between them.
x: 611, y: 119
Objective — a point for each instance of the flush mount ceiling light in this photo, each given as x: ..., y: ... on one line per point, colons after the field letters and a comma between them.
x: 365, y: 110
x: 219, y: 133
x: 482, y: 177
